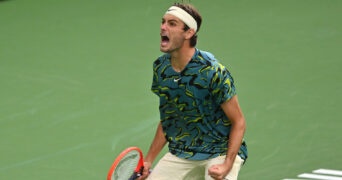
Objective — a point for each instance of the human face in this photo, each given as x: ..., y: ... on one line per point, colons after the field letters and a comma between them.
x: 172, y: 34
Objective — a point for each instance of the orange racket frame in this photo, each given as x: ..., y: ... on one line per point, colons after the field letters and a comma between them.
x: 140, y: 164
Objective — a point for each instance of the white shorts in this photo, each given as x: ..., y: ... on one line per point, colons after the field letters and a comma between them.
x: 172, y: 167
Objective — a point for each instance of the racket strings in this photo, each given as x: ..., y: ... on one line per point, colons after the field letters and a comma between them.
x: 126, y: 166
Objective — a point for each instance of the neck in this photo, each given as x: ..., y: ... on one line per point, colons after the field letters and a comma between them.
x: 180, y: 58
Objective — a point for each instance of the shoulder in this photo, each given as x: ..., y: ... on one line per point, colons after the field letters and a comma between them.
x: 209, y: 60
x: 161, y: 59
x: 206, y: 55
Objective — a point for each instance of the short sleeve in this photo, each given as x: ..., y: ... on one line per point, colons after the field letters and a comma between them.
x: 222, y: 85
x: 155, y: 84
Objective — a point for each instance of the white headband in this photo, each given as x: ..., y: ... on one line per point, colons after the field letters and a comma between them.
x: 184, y: 16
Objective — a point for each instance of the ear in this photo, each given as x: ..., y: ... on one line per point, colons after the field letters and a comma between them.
x: 189, y: 33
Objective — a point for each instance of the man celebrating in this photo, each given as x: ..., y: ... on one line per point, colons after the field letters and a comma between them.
x: 200, y: 117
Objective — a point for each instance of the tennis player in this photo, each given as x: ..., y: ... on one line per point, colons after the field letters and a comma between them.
x: 201, y: 120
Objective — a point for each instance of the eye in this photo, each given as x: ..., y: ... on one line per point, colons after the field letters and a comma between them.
x: 172, y: 24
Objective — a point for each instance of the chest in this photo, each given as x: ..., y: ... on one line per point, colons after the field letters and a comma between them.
x: 189, y: 85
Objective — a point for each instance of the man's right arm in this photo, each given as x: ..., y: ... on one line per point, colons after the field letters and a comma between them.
x: 157, y: 145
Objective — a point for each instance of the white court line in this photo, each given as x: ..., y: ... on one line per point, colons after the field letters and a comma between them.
x: 320, y: 177
x: 328, y: 171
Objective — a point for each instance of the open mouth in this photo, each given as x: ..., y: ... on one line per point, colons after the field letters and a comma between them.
x: 164, y: 40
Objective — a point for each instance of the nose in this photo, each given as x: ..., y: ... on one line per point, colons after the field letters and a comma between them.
x: 163, y: 26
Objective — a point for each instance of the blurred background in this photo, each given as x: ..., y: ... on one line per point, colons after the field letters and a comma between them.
x: 75, y: 80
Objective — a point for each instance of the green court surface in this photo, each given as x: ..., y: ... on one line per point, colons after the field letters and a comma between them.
x: 75, y: 82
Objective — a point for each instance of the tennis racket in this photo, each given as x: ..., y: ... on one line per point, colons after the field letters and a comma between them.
x: 127, y: 166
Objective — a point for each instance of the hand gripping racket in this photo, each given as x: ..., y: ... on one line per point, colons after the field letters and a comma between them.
x: 127, y: 166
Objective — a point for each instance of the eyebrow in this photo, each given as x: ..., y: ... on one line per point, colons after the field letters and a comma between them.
x: 172, y: 20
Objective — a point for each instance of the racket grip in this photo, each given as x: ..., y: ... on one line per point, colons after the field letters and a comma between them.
x: 135, y: 175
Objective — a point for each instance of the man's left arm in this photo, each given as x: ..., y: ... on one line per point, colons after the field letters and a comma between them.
x: 233, y: 111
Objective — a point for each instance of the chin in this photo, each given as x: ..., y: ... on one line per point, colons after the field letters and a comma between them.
x: 164, y: 50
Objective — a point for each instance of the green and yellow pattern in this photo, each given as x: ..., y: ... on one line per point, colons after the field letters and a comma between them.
x: 193, y: 121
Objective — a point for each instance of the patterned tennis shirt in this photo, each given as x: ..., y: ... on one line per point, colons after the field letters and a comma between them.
x: 189, y: 103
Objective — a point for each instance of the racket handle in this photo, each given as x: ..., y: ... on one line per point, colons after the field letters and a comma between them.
x: 134, y: 176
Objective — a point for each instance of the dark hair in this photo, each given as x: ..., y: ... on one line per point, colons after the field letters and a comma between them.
x: 196, y: 15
